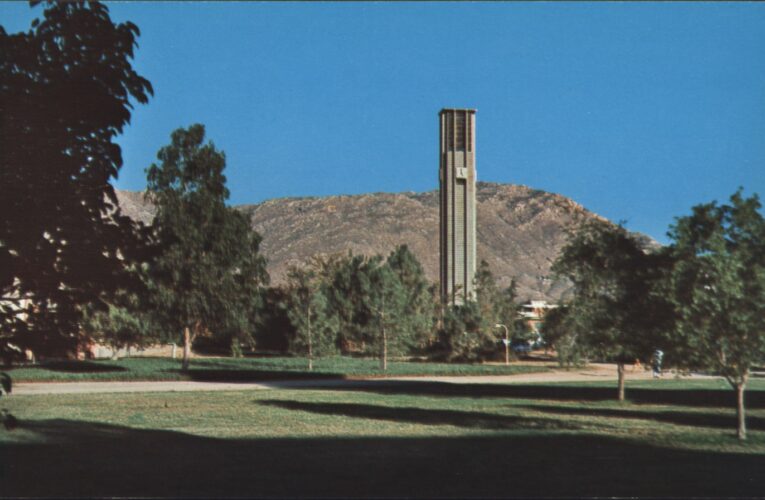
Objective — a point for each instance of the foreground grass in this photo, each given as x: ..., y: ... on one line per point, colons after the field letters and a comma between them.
x: 675, y: 438
x: 249, y: 369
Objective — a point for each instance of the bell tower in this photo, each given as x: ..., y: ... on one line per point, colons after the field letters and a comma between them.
x: 457, y: 178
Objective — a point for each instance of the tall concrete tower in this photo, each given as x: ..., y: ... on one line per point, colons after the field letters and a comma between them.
x: 457, y: 177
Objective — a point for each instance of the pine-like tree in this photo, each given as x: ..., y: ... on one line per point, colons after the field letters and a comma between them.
x: 208, y: 271
x: 416, y: 318
x: 308, y: 309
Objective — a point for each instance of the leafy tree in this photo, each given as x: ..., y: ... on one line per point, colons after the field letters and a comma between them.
x: 66, y: 88
x: 469, y: 332
x: 207, y: 274
x: 616, y: 312
x: 487, y: 297
x: 498, y: 306
x: 495, y: 307
x: 123, y: 324
x: 559, y: 333
x: 718, y: 287
x: 307, y: 307
x: 382, y: 299
x: 508, y: 311
x: 383, y: 305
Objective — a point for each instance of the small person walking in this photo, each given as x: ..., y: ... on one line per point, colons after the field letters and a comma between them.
x: 656, y: 363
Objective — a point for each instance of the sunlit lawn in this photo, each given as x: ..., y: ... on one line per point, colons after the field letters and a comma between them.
x: 675, y: 438
x: 244, y: 369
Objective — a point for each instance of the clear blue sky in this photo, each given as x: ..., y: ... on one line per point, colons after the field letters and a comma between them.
x: 635, y: 110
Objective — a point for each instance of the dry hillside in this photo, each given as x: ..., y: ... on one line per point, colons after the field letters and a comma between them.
x: 520, y: 230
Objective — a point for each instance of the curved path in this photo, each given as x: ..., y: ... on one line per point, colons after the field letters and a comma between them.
x: 590, y: 373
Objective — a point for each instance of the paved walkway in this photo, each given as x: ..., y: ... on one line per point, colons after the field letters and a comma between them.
x: 589, y: 373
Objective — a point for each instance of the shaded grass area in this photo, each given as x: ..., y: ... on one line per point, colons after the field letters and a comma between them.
x: 420, y: 440
x: 248, y: 369
x: 174, y: 464
x: 709, y: 392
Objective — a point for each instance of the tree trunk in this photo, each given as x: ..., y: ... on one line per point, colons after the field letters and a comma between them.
x: 620, y: 373
x: 384, y: 358
x: 384, y: 353
x: 310, y: 344
x: 186, y: 348
x: 740, y: 386
x: 384, y: 350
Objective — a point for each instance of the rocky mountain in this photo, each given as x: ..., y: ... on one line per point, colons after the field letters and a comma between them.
x: 520, y: 230
x: 134, y: 205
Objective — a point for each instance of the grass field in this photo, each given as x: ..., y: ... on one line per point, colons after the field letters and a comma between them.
x: 674, y: 438
x: 248, y: 369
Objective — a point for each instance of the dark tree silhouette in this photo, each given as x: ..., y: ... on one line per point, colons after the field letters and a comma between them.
x: 66, y: 87
x: 618, y: 310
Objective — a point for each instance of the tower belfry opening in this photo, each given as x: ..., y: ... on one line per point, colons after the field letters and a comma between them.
x: 457, y: 178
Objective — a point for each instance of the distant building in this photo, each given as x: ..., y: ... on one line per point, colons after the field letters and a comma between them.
x: 457, y: 178
x: 533, y: 312
x: 97, y: 350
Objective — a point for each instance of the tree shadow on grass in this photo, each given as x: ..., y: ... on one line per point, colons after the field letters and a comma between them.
x: 668, y: 416
x: 77, y: 366
x: 561, y: 392
x: 80, y: 459
x: 243, y: 376
x: 214, y: 370
x: 466, y: 419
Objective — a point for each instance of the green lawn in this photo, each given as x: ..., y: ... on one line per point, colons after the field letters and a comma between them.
x: 249, y: 369
x: 674, y: 438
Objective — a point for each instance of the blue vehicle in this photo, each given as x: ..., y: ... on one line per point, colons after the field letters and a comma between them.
x: 520, y: 347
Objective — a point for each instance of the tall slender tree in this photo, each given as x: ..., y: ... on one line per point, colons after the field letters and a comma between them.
x: 718, y: 287
x: 346, y: 301
x: 383, y: 298
x: 495, y: 306
x: 66, y: 92
x: 208, y: 271
x: 308, y: 309
x: 487, y: 296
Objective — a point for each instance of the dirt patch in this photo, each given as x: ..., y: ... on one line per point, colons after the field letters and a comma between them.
x: 592, y: 372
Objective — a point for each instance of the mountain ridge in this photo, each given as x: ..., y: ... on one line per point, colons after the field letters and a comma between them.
x: 520, y: 230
